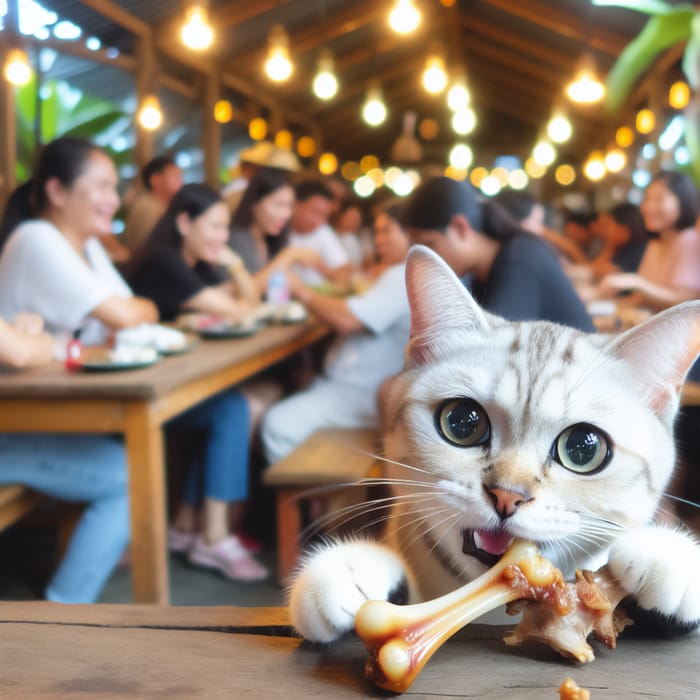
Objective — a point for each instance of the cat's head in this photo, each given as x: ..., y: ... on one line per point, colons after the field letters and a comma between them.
x: 531, y: 429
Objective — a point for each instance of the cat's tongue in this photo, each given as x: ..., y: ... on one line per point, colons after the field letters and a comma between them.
x: 492, y: 541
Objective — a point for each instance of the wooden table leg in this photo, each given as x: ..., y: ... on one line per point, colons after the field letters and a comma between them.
x: 288, y: 532
x: 149, y: 553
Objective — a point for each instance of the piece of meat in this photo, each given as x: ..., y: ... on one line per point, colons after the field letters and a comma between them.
x: 570, y: 690
x: 401, y: 638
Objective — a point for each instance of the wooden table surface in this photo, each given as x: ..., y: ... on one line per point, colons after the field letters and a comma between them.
x: 136, y: 403
x: 70, y: 652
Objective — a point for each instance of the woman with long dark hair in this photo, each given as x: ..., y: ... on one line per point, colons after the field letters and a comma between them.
x: 669, y: 272
x: 185, y: 263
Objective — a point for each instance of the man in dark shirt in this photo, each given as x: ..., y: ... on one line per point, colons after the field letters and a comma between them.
x: 515, y: 274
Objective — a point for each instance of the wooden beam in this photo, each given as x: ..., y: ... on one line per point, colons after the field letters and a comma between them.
x: 8, y: 130
x: 235, y: 13
x: 119, y: 16
x: 548, y: 16
x: 211, y: 132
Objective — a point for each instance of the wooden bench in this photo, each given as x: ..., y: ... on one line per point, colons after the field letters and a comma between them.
x: 15, y: 502
x: 330, y: 457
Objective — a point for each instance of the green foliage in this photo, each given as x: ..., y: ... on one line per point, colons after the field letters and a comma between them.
x: 667, y: 26
x: 64, y: 112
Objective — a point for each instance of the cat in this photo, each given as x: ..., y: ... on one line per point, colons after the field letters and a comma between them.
x: 497, y: 430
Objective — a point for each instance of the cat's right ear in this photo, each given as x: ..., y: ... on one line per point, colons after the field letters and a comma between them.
x: 440, y: 305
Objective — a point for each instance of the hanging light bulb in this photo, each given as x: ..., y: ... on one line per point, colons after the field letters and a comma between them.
x: 645, y: 121
x: 278, y: 65
x: 544, y: 153
x: 434, y: 76
x: 325, y: 84
x: 594, y: 167
x: 586, y: 87
x: 679, y: 95
x: 559, y: 128
x: 458, y: 96
x: 404, y: 17
x: 17, y: 70
x: 374, y: 109
x: 615, y: 160
x: 196, y: 32
x: 464, y: 121
x: 461, y: 156
x: 150, y: 116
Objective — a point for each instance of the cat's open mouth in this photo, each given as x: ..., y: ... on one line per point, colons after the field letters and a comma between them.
x: 486, y: 545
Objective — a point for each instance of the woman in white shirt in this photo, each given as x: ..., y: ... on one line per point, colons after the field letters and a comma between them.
x: 54, y: 264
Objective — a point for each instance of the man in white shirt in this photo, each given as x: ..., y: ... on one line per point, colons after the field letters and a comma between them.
x: 310, y: 230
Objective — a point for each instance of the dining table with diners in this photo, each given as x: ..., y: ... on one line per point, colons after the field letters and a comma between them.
x: 133, y: 389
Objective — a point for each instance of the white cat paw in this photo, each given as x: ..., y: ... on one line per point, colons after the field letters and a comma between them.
x: 660, y: 568
x: 335, y: 581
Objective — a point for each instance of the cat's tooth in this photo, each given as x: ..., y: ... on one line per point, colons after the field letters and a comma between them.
x: 401, y: 638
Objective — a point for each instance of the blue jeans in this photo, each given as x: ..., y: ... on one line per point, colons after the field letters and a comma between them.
x: 83, y: 469
x: 225, y: 419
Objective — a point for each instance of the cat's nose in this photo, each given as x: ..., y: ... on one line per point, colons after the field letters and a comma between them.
x: 506, y: 501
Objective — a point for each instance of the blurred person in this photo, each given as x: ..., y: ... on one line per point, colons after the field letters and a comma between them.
x: 186, y: 264
x: 259, y: 231
x: 578, y: 228
x: 53, y: 263
x: 373, y: 329
x: 310, y: 230
x: 625, y: 240
x: 515, y: 274
x: 348, y: 225
x: 531, y: 215
x: 669, y: 271
x: 161, y: 178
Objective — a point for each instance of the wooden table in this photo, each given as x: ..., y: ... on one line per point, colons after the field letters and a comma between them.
x: 69, y: 652
x: 137, y: 403
x: 690, y: 395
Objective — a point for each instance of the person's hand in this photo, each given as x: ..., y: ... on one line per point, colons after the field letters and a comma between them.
x: 229, y: 259
x: 31, y: 324
x: 303, y: 256
x: 611, y: 285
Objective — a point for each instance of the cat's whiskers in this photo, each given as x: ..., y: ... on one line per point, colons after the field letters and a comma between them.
x: 415, y: 525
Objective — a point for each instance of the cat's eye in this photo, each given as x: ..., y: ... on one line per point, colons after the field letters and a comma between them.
x: 582, y: 448
x: 463, y: 422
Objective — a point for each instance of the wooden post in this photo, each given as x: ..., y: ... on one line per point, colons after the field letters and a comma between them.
x: 211, y: 131
x: 8, y: 134
x: 145, y: 84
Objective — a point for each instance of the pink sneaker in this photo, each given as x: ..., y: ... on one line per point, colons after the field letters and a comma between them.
x: 180, y: 541
x: 229, y: 557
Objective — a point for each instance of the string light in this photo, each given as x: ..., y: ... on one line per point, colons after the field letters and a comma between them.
x: 559, y: 128
x: 327, y: 163
x: 257, y: 129
x: 594, y: 167
x: 586, y: 87
x: 17, y: 70
x: 624, y: 137
x: 374, y: 110
x: 464, y: 121
x: 679, y: 95
x: 615, y: 160
x: 461, y: 156
x: 645, y: 121
x: 544, y: 153
x: 404, y: 17
x: 278, y: 65
x: 197, y: 33
x: 434, y: 76
x: 223, y: 111
x: 325, y: 84
x: 150, y: 115
x: 458, y: 96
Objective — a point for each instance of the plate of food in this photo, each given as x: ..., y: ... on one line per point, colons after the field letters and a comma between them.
x: 179, y: 346
x: 292, y: 312
x: 115, y: 359
x: 225, y: 329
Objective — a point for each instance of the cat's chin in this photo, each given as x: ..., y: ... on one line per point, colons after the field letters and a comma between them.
x: 487, y: 546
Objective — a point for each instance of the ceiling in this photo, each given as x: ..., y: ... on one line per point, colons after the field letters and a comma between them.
x: 518, y: 55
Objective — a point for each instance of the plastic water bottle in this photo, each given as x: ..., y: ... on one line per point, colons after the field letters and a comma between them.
x: 277, y: 289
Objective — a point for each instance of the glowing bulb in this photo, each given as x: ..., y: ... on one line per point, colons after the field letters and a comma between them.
x: 464, y: 121
x: 257, y: 129
x: 325, y: 84
x: 434, y: 76
x: 374, y: 109
x: 196, y: 33
x: 534, y: 169
x: 327, y: 163
x: 586, y: 88
x: 559, y: 129
x: 458, y: 96
x: 615, y: 160
x: 223, y: 111
x: 624, y: 137
x: 594, y: 167
x: 565, y: 175
x: 404, y: 17
x: 544, y: 153
x: 278, y: 65
x: 283, y: 139
x: 518, y: 179
x: 461, y: 156
x: 150, y: 116
x: 364, y: 186
x: 679, y: 95
x: 645, y: 121
x: 306, y: 146
x: 490, y: 186
x: 17, y: 70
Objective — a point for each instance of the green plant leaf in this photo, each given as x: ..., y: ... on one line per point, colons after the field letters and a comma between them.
x: 648, y: 7
x: 691, y: 56
x: 95, y: 125
x: 692, y: 136
x: 659, y: 33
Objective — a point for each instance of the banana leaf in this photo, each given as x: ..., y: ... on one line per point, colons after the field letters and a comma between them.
x: 660, y: 33
x: 648, y: 7
x: 691, y: 56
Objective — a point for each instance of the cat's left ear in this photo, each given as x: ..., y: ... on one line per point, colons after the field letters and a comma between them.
x: 440, y: 303
x: 660, y: 352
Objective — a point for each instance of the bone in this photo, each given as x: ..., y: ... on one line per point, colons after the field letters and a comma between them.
x: 402, y: 638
